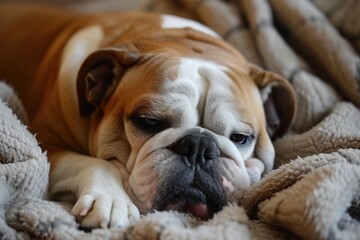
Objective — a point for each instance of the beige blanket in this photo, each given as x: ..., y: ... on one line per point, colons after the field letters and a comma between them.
x: 315, y: 191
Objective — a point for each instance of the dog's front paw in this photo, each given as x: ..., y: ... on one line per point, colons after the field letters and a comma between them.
x: 105, y: 210
x: 102, y: 199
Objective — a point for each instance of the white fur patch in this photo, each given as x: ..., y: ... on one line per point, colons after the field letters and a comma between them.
x: 212, y: 94
x: 78, y: 48
x: 265, y: 92
x: 169, y: 21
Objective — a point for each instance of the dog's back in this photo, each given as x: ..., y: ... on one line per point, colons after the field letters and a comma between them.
x: 26, y: 33
x: 33, y: 38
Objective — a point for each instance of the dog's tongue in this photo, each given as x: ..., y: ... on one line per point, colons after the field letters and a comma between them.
x: 199, y: 210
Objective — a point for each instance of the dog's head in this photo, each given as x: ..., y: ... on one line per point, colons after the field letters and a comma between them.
x: 182, y: 118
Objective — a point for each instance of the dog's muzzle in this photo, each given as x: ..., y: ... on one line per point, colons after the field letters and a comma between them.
x: 194, y: 184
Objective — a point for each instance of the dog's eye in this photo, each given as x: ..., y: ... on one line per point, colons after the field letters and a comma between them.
x: 150, y: 124
x: 239, y: 138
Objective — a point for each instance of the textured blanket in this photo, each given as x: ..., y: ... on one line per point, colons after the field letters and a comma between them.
x: 314, y: 192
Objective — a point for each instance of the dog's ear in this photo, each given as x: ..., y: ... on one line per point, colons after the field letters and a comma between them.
x: 278, y: 98
x: 99, y: 75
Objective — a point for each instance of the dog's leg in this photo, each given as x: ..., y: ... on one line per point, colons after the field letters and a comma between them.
x: 97, y: 184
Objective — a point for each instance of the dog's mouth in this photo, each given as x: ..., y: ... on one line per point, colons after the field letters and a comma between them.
x: 193, y: 201
x: 192, y: 187
x: 199, y: 210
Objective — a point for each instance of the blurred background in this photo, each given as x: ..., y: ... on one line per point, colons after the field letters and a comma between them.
x: 90, y: 5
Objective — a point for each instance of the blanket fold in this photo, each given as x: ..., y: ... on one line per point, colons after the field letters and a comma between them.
x: 314, y: 192
x: 316, y: 197
x: 24, y: 168
x: 316, y: 206
x: 306, y: 26
x: 315, y: 97
x: 337, y: 130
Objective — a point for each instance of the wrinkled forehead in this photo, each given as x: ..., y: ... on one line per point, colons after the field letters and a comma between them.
x: 188, y: 92
x: 199, y: 81
x: 197, y: 92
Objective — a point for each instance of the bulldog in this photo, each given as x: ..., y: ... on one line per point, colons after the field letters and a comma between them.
x: 141, y: 112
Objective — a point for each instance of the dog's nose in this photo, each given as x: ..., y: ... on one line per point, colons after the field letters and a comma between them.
x: 197, y: 148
